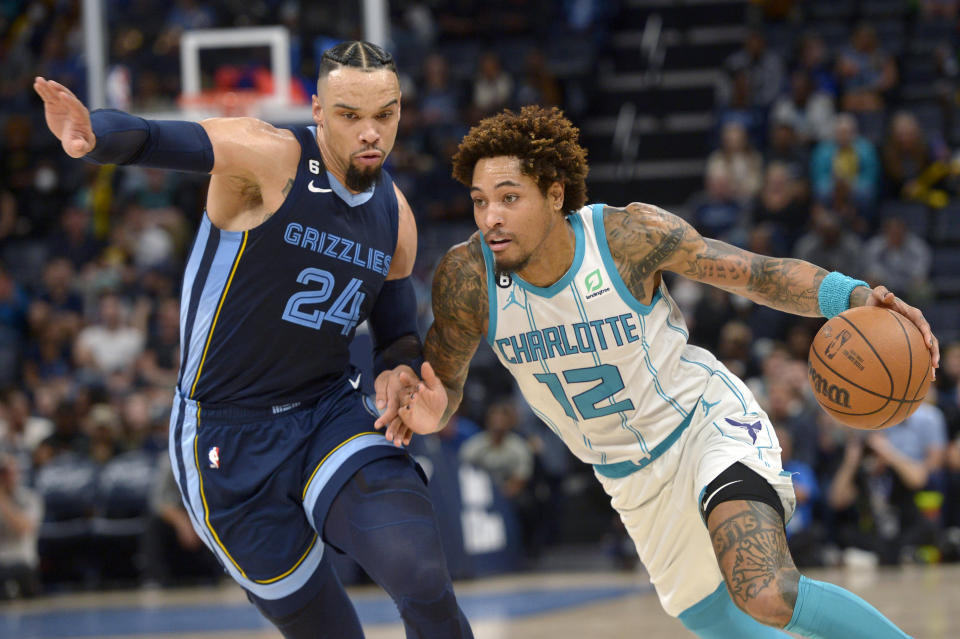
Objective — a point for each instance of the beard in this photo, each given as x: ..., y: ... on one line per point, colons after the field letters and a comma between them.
x: 360, y: 180
x: 510, y: 264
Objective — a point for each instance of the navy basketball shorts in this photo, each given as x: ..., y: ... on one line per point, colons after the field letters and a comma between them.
x: 257, y: 483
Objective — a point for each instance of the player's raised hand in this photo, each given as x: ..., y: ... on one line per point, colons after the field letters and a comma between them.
x: 66, y: 116
x: 883, y: 297
x: 425, y: 408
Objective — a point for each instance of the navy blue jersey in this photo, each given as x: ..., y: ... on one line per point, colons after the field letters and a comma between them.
x: 267, y: 315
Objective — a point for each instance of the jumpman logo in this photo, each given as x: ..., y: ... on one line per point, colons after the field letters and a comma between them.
x: 753, y: 428
x: 707, y: 406
x: 512, y: 299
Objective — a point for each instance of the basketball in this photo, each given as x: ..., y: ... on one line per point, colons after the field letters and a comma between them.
x: 869, y: 367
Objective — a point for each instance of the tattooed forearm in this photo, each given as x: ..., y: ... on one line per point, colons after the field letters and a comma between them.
x: 718, y: 263
x: 751, y: 547
x: 460, y: 311
x: 786, y: 284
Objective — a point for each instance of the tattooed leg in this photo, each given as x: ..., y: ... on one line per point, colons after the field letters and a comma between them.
x: 751, y: 547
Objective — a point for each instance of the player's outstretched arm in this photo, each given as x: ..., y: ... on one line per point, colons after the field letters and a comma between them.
x: 460, y: 311
x: 238, y: 147
x: 645, y: 239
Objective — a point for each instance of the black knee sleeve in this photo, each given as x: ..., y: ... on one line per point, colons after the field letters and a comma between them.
x: 738, y: 482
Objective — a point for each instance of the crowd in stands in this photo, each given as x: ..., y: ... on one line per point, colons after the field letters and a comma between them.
x: 818, y: 156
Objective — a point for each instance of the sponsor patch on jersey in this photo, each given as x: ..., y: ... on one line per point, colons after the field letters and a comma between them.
x: 593, y: 282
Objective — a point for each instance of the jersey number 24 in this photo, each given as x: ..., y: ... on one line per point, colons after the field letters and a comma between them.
x: 345, y: 309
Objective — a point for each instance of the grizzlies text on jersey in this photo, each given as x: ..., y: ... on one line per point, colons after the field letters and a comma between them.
x: 267, y: 315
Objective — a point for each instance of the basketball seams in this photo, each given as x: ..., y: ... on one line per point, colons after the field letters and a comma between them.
x: 906, y: 336
x: 867, y: 342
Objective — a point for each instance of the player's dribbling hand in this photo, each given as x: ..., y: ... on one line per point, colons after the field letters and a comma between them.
x: 882, y: 296
x: 66, y: 116
x: 392, y: 387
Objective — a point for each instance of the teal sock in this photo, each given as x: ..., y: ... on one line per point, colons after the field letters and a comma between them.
x: 717, y: 617
x: 825, y: 611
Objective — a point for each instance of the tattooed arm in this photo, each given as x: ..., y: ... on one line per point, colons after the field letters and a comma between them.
x: 459, y: 323
x: 645, y: 240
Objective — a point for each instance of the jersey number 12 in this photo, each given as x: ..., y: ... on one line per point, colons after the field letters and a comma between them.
x: 611, y: 383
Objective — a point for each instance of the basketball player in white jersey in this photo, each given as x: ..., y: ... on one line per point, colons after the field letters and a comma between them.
x: 570, y: 297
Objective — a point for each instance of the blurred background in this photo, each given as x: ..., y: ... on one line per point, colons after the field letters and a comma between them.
x: 827, y: 130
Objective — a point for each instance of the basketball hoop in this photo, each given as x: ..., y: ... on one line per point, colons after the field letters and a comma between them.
x: 222, y: 103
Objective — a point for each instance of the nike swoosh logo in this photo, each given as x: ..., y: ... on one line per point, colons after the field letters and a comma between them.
x: 317, y: 189
x: 355, y: 382
x: 714, y: 494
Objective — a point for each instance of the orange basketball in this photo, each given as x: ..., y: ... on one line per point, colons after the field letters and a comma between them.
x: 869, y: 367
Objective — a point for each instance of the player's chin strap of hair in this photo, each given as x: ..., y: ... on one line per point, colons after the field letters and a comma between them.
x: 834, y: 293
x: 162, y: 144
x: 393, y: 325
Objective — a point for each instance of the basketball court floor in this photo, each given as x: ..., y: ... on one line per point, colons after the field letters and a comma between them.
x: 924, y: 601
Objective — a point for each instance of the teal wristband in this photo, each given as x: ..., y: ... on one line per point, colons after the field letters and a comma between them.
x: 834, y: 293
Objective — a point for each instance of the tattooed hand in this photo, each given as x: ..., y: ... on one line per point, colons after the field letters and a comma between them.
x: 645, y: 240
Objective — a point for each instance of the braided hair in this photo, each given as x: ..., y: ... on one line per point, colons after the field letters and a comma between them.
x: 357, y: 54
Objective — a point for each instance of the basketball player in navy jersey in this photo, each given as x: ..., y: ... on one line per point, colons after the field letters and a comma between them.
x: 571, y: 299
x: 271, y: 441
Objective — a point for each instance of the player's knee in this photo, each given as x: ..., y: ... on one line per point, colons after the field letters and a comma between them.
x: 771, y: 604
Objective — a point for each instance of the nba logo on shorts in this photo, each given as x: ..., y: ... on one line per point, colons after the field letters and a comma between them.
x: 214, y: 456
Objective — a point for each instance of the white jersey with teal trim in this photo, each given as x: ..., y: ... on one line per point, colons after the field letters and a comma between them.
x: 613, y: 377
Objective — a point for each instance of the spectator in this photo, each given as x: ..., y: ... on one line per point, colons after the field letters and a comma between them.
x: 813, y: 59
x: 742, y: 162
x: 910, y: 165
x: 829, y: 245
x: 171, y: 549
x: 786, y: 408
x: 67, y: 437
x: 159, y: 363
x: 20, y: 429
x: 103, y: 429
x: 492, y: 86
x: 509, y: 459
x: 899, y: 259
x: 846, y: 158
x: 809, y: 109
x: 74, y: 240
x: 881, y: 476
x: 763, y: 67
x: 111, y: 345
x: 500, y: 451
x: 867, y: 72
x: 440, y: 101
x: 785, y: 148
x: 802, y: 533
x: 733, y: 349
x: 21, y: 511
x: 781, y: 205
x: 538, y: 84
x: 717, y: 211
x: 952, y: 510
x: 735, y: 103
